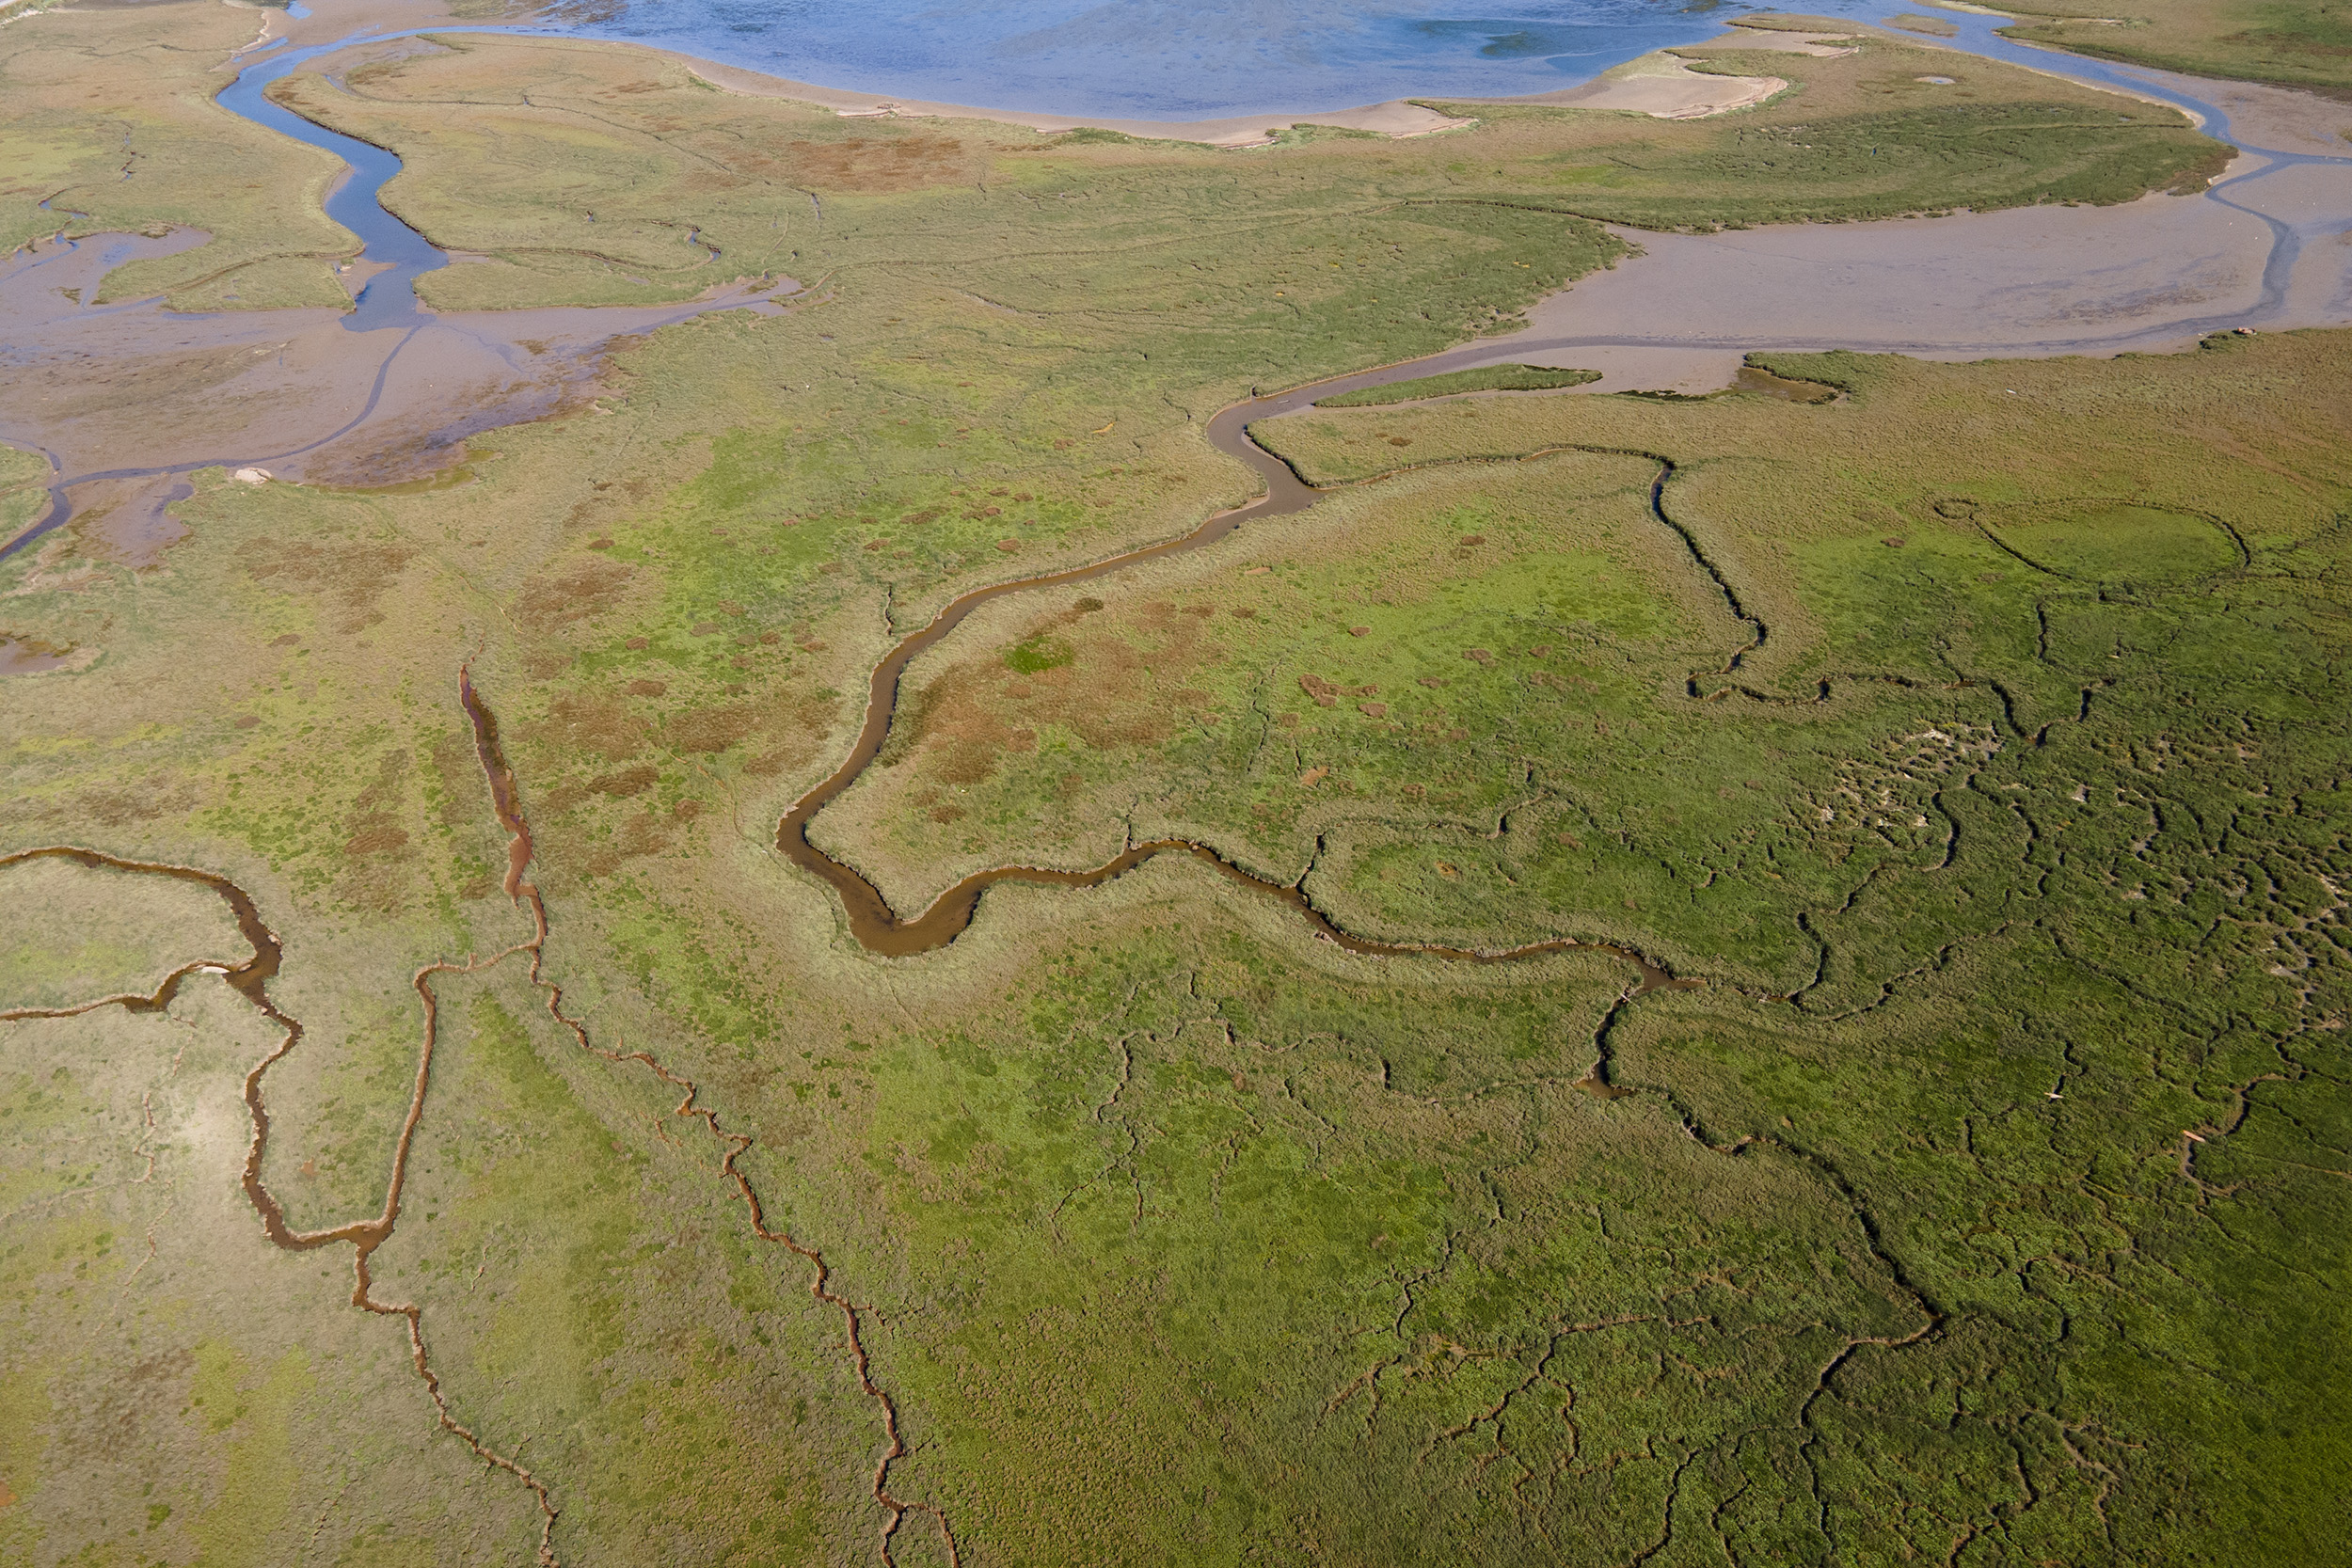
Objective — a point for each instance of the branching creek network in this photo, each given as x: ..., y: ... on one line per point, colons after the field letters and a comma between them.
x: 869, y: 917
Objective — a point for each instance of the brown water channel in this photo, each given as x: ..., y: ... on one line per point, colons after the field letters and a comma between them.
x: 879, y: 928
x: 250, y: 980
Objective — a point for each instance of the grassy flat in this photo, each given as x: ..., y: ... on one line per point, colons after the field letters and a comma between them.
x: 1486, y: 379
x: 597, y: 188
x: 2291, y: 43
x: 1971, y: 745
x: 111, y: 127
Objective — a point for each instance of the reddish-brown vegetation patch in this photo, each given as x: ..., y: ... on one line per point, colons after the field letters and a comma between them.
x: 710, y: 729
x: 900, y: 162
x: 572, y: 594
x: 349, y: 575
x: 588, y: 724
x: 628, y: 780
x: 1116, y: 691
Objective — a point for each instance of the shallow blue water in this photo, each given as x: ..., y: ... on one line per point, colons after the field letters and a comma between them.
x: 1168, y: 59
x: 389, y: 298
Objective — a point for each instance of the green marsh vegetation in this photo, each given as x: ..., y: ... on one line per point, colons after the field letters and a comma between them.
x: 1486, y: 379
x: 2042, y: 883
x: 111, y: 122
x: 1979, y: 1194
x: 176, y: 1389
x: 2290, y: 43
x: 597, y: 187
x: 23, y: 489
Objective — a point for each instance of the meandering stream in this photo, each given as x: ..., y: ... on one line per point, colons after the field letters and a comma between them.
x: 383, y: 392
x: 880, y: 930
x: 396, y: 255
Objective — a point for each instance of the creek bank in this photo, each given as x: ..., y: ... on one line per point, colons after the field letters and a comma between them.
x: 249, y: 978
x: 383, y: 393
x: 880, y: 930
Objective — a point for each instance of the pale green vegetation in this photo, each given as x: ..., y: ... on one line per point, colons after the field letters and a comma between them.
x: 1982, y: 1198
x: 1486, y: 379
x: 23, y: 490
x: 622, y: 171
x: 1930, y: 26
x: 100, y: 944
x: 2295, y: 43
x: 175, y: 1388
x: 110, y: 122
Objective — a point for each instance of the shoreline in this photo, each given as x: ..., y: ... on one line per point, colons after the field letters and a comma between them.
x: 1396, y: 119
x: 1657, y: 82
x: 1644, y: 85
x: 1683, y: 321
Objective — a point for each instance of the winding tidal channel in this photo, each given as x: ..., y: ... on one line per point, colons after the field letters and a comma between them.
x: 2275, y: 259
x: 250, y: 979
x: 385, y: 392
x: 2158, y: 273
x: 880, y: 930
x: 2015, y: 260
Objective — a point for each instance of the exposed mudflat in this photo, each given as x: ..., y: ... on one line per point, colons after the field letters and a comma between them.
x: 2269, y: 247
x: 125, y: 398
x: 2153, y: 274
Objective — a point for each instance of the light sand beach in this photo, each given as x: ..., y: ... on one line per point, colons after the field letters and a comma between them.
x: 1396, y: 119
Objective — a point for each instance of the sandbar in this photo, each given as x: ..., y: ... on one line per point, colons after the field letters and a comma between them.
x: 1663, y: 86
x: 1396, y: 119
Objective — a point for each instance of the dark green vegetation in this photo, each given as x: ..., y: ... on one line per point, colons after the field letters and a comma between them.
x: 1874, y: 163
x: 1486, y: 379
x: 2008, y: 854
x: 2295, y: 43
x: 1982, y: 1201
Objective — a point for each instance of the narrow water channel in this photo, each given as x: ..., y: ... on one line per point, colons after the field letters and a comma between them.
x: 880, y: 930
x: 383, y: 392
x: 398, y: 255
x: 390, y: 297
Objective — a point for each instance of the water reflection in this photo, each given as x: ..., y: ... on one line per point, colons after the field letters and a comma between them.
x: 1166, y: 59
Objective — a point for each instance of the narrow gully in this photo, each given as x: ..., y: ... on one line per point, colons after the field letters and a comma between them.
x: 880, y: 930
x: 507, y: 804
x: 250, y: 980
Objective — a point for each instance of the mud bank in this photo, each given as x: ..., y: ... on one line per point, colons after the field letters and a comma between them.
x: 2268, y: 246
x: 880, y: 930
x: 125, y: 398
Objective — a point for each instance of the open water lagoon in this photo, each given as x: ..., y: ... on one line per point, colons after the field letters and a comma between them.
x: 1165, y: 60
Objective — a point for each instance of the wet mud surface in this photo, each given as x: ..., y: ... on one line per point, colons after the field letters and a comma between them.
x: 125, y: 400
x: 2269, y: 247
x: 125, y: 397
